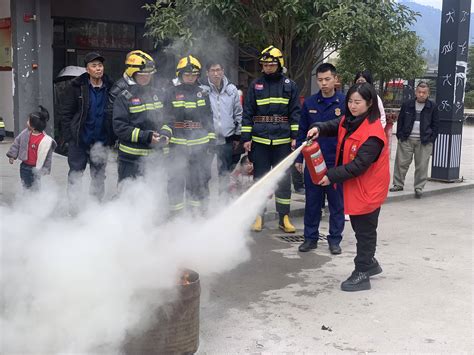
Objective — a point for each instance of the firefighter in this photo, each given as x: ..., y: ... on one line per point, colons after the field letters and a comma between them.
x: 122, y: 84
x: 138, y: 117
x: 269, y: 128
x: 194, y: 140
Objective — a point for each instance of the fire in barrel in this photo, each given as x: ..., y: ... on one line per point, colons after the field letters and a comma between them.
x: 175, y: 326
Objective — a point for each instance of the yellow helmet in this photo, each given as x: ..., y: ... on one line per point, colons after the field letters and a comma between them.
x: 188, y: 64
x: 272, y: 54
x: 139, y: 62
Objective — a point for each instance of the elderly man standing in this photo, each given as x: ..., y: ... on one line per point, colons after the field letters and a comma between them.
x: 417, y: 129
x: 86, y: 128
x: 227, y: 115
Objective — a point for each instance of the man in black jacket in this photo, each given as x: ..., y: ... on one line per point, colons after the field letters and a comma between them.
x: 417, y: 129
x: 86, y: 127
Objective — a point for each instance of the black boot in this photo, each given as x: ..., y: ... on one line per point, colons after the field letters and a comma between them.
x: 308, y: 245
x: 358, y: 281
x: 375, y: 268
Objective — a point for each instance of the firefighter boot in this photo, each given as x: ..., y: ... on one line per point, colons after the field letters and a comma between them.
x: 258, y: 225
x: 286, y: 225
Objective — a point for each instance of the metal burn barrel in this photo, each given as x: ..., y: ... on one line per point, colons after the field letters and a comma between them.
x: 175, y: 325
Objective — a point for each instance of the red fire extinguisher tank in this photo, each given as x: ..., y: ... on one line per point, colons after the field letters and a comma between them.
x: 314, y: 161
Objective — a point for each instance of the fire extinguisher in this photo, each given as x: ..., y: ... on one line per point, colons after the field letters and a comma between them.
x: 314, y: 161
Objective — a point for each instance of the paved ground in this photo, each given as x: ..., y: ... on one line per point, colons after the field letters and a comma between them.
x: 280, y: 300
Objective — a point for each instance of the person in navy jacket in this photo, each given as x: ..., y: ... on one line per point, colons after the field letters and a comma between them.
x: 323, y: 106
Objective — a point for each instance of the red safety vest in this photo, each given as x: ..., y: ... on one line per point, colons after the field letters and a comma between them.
x: 365, y: 193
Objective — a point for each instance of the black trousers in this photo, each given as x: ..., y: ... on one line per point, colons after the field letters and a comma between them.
x: 129, y: 169
x: 365, y: 228
x: 189, y: 173
x: 265, y: 157
x: 77, y: 158
x: 297, y: 178
x: 225, y: 164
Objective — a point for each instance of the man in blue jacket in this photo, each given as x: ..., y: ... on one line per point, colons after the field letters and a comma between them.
x: 323, y: 106
x: 86, y: 128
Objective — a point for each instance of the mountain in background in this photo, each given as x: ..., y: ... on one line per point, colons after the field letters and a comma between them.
x: 428, y: 27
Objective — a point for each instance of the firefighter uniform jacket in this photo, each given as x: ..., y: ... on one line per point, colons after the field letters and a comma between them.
x: 269, y: 97
x: 190, y: 113
x: 137, y: 113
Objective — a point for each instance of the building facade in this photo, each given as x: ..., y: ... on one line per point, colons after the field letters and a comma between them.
x: 47, y: 35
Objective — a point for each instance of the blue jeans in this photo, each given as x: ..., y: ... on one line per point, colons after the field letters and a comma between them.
x: 28, y: 177
x: 312, y: 210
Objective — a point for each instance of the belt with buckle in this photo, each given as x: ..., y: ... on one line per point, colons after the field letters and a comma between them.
x: 270, y: 119
x: 188, y: 125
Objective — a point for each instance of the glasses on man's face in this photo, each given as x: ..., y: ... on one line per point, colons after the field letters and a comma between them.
x: 217, y: 70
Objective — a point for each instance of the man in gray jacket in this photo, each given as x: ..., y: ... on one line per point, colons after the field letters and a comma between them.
x: 227, y: 114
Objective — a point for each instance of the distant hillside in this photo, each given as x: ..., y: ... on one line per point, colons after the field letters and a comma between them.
x: 428, y: 27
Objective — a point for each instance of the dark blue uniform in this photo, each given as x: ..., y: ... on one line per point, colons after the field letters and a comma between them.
x: 317, y: 108
x: 270, y: 120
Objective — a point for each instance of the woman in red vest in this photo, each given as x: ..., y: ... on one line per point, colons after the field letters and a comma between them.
x: 362, y: 165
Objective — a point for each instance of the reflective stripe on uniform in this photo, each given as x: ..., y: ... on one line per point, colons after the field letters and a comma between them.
x: 137, y: 109
x: 267, y: 141
x: 167, y: 128
x: 189, y: 104
x: 154, y: 105
x: 2, y: 124
x: 177, y: 207
x: 146, y: 107
x: 194, y: 203
x: 135, y: 134
x: 283, y: 201
x: 175, y: 140
x: 273, y: 100
x: 281, y: 141
x: 294, y: 127
x: 134, y: 151
x: 177, y: 103
x: 198, y: 141
x: 246, y: 129
x: 189, y: 142
x: 212, y: 135
x: 261, y: 140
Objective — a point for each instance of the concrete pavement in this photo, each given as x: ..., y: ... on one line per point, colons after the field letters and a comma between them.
x: 283, y: 301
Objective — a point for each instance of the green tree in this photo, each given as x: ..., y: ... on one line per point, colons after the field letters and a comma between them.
x: 305, y: 30
x: 470, y: 73
x: 398, y: 56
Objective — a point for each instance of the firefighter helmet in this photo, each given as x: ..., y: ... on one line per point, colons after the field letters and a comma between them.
x: 188, y: 64
x: 272, y: 54
x: 139, y: 62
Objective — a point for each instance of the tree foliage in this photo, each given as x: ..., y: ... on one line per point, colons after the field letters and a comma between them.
x: 305, y: 30
x: 398, y: 56
x: 470, y: 72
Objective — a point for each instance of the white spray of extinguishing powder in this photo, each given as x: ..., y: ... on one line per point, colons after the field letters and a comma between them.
x: 69, y: 284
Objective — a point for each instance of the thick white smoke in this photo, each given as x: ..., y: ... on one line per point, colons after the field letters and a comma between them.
x: 70, y: 284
